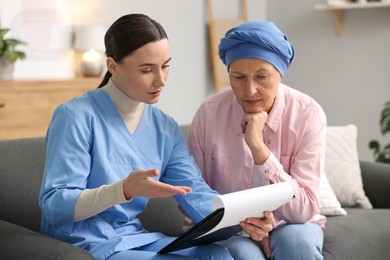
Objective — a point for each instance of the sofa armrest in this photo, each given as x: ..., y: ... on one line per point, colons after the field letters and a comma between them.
x: 376, y: 183
x: 17, y: 242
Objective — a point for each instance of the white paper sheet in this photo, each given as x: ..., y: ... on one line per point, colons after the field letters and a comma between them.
x: 250, y: 203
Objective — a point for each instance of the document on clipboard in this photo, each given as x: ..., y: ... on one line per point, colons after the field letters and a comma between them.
x: 228, y: 211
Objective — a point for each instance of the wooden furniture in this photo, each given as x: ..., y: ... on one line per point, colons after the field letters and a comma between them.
x: 217, y: 29
x: 337, y: 10
x: 26, y: 107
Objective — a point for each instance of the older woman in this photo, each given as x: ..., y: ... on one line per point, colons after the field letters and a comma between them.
x: 261, y: 132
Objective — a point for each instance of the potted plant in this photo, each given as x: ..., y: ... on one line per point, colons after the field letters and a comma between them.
x: 382, y: 154
x: 8, y: 54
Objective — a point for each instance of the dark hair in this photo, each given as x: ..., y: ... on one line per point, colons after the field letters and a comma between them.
x: 129, y: 33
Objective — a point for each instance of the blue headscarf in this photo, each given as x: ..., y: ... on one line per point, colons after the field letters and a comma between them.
x: 260, y: 40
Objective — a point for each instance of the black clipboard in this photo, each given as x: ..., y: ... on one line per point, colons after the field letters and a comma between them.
x: 192, y: 237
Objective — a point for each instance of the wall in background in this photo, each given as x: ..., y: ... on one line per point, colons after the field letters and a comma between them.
x: 348, y: 75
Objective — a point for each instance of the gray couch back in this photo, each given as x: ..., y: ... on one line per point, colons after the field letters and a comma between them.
x: 21, y: 169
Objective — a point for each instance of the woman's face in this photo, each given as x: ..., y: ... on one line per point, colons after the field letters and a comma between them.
x: 143, y: 74
x: 255, y: 84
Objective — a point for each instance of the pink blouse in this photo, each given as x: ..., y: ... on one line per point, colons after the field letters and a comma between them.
x: 294, y: 133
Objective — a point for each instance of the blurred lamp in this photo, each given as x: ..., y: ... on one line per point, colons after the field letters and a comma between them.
x: 90, y: 41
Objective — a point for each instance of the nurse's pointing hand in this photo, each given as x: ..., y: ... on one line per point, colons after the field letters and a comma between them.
x: 141, y: 183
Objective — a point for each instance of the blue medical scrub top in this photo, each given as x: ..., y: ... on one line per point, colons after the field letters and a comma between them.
x: 89, y: 145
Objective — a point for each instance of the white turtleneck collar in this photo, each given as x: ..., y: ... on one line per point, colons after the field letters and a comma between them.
x: 130, y: 109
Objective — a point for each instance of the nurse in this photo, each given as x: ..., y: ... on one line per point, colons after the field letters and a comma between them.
x: 110, y: 150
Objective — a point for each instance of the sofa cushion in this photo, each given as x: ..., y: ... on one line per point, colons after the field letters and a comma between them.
x: 342, y: 166
x: 17, y: 242
x: 362, y: 234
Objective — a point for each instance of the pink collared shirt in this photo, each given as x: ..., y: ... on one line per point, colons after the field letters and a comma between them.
x: 294, y: 133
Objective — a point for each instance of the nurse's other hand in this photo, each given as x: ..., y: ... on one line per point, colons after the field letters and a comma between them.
x: 141, y: 183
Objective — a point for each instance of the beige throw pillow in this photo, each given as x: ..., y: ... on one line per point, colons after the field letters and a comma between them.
x: 329, y: 204
x: 342, y: 166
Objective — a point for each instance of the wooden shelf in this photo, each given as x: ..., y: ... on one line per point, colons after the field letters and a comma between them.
x: 351, y: 5
x: 337, y: 10
x: 26, y: 107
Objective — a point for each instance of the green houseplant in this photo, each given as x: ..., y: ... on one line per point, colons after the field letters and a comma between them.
x: 8, y: 54
x: 382, y: 154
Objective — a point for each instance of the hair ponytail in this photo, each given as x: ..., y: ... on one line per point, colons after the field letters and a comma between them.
x: 105, y: 80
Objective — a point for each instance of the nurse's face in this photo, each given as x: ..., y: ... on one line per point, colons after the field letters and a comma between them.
x: 143, y: 74
x: 255, y: 84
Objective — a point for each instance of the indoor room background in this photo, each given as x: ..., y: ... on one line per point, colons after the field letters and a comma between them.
x: 347, y: 74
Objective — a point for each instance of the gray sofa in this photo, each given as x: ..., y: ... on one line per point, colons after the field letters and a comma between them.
x: 362, y: 234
